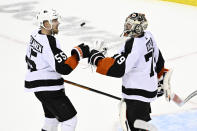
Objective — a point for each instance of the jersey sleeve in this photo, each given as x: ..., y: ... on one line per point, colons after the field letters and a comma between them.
x: 160, y: 65
x: 117, y: 65
x: 57, y: 59
x: 112, y: 66
x: 160, y: 62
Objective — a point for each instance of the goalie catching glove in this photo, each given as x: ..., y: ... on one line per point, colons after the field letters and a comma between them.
x: 82, y: 51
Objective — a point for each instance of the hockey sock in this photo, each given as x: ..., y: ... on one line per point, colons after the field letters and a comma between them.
x: 69, y: 125
x: 50, y: 124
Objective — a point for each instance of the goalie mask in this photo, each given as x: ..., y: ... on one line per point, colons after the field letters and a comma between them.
x: 47, y: 15
x: 135, y: 24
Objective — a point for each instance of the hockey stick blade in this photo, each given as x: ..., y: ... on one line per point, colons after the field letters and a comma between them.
x: 190, y: 96
x: 144, y: 125
x: 176, y: 99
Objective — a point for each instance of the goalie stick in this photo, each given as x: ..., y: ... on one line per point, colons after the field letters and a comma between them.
x: 138, y: 123
x: 172, y: 96
x: 176, y: 99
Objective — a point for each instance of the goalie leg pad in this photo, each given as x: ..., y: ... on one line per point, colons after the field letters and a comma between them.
x: 122, y: 115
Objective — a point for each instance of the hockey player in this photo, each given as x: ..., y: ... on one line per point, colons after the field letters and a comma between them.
x: 46, y: 63
x: 139, y: 63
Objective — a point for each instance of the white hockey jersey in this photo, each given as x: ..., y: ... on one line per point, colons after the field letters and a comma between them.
x: 138, y: 63
x: 46, y: 63
x: 140, y: 79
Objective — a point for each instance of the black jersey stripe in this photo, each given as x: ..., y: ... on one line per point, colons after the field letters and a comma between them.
x: 160, y: 62
x: 52, y: 43
x: 61, y: 67
x: 129, y: 45
x: 139, y: 92
x: 48, y: 82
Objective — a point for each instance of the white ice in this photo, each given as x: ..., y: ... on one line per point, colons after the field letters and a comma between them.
x: 173, y: 25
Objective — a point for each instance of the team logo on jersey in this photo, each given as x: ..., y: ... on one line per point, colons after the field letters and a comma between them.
x: 35, y: 45
x: 149, y: 45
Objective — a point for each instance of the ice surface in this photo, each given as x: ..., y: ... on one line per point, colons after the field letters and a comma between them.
x: 173, y: 25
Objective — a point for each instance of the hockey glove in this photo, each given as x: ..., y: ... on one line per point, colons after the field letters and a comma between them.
x: 82, y: 51
x: 100, y: 46
x: 95, y: 56
x: 160, y: 90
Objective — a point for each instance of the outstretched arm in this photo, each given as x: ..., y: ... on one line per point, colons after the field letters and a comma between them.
x: 110, y: 66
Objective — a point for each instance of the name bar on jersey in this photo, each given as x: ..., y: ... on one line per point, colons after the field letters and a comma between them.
x: 35, y: 45
x: 149, y: 45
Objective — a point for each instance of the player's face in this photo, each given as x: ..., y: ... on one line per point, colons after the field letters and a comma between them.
x: 47, y: 25
x: 55, y: 26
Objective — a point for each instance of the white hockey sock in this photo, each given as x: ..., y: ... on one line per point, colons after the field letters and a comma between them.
x: 50, y: 124
x: 69, y: 125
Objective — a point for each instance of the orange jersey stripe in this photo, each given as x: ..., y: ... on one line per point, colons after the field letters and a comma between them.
x: 104, y: 65
x: 161, y: 72
x: 72, y: 61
